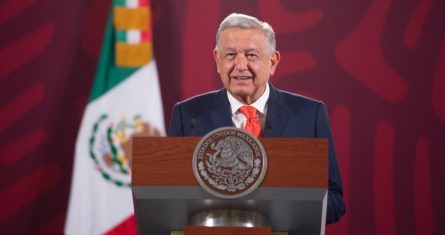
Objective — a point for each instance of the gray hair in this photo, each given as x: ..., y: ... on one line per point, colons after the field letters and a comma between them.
x: 242, y: 21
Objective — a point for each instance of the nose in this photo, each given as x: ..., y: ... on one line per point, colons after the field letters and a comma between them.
x: 241, y: 63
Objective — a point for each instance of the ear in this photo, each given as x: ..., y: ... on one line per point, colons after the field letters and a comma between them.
x: 274, y: 61
x: 217, y: 60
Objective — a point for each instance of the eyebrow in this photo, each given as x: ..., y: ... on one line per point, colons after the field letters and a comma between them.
x: 247, y: 50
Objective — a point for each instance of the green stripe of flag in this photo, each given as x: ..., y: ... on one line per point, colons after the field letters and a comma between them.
x: 121, y: 36
x: 120, y: 3
x: 108, y: 74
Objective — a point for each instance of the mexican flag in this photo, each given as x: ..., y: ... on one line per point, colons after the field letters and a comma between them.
x: 125, y: 101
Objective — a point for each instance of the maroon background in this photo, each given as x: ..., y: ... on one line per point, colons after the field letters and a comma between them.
x: 378, y: 64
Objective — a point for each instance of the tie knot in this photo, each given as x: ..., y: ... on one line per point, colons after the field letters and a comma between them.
x: 249, y: 111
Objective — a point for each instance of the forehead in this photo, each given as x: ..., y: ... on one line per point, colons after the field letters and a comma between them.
x: 237, y: 38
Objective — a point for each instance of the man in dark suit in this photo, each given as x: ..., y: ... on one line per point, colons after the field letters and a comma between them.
x: 246, y: 58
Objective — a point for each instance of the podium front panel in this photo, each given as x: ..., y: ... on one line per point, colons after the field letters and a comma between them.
x: 288, y: 209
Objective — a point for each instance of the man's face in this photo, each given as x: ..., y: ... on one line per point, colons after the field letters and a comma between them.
x: 245, y: 63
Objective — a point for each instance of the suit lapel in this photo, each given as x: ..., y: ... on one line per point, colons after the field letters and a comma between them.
x: 277, y: 114
x: 220, y: 113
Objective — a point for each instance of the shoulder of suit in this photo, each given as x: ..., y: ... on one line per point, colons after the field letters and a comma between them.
x: 294, y: 98
x: 202, y: 99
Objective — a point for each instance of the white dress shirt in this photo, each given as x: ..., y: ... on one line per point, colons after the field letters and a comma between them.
x: 239, y: 119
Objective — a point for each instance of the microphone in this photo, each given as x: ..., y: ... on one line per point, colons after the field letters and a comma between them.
x: 268, y: 126
x: 192, y: 126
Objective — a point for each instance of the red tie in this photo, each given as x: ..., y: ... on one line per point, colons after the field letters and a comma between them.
x: 253, y: 124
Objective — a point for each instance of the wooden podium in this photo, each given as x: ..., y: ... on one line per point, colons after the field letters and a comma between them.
x: 293, y: 194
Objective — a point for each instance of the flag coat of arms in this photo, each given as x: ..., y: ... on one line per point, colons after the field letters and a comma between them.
x: 125, y: 101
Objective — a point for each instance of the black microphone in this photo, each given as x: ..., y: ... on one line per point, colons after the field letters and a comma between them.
x: 268, y: 126
x: 192, y: 126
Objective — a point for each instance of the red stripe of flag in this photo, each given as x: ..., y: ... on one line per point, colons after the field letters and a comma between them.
x: 128, y: 227
x: 146, y: 36
x: 143, y: 3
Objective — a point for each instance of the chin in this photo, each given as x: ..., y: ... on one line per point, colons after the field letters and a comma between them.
x: 241, y: 93
x: 241, y: 90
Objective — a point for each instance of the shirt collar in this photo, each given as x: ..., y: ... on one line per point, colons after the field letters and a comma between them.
x: 259, y: 104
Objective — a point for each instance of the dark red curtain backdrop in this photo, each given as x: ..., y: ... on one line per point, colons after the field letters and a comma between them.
x: 379, y: 65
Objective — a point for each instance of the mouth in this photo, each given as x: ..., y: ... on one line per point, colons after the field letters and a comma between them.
x: 241, y: 78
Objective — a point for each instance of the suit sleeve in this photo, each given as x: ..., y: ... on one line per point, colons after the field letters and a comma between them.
x: 336, y: 206
x: 176, y: 127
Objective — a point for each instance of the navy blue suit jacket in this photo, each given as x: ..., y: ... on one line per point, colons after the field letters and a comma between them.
x: 288, y: 115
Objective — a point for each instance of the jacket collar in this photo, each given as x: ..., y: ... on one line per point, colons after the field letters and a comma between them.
x: 220, y: 113
x: 277, y: 114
